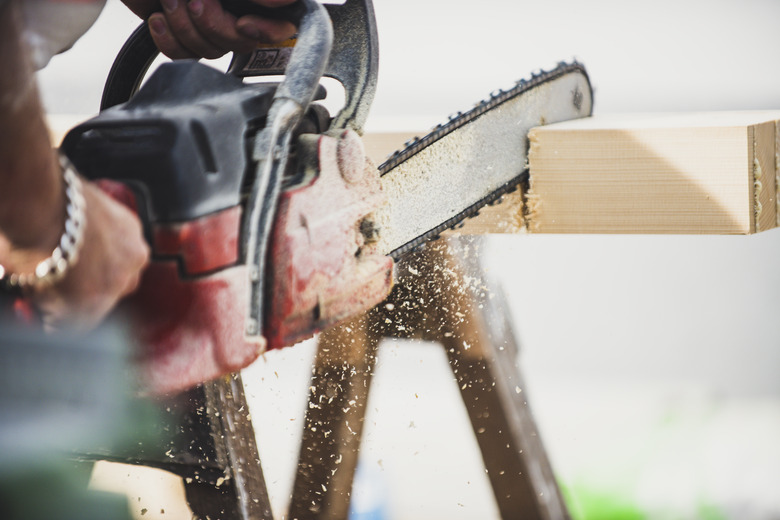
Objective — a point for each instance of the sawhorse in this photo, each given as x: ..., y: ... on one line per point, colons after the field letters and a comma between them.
x: 441, y: 295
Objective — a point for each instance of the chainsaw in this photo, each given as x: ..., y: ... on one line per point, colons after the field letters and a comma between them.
x: 265, y: 220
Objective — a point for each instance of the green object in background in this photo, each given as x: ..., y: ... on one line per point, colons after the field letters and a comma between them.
x: 710, y: 512
x: 62, y: 395
x: 589, y: 504
x: 56, y: 489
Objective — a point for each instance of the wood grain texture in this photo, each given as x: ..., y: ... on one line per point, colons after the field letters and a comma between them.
x: 677, y: 173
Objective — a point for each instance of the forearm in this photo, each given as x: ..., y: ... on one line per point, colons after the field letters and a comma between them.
x: 31, y: 198
x: 107, y: 264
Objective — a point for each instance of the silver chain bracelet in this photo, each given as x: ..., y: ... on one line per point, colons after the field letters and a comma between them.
x: 66, y: 253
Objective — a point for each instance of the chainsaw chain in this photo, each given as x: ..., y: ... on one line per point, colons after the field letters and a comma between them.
x: 456, y: 121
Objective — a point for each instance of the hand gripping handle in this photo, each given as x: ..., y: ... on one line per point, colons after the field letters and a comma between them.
x: 139, y: 51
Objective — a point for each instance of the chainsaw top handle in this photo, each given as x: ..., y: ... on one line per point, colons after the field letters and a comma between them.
x: 354, y: 61
x: 138, y: 53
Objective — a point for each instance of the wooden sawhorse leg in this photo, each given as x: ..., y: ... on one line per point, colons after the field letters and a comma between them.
x: 334, y: 420
x: 440, y: 296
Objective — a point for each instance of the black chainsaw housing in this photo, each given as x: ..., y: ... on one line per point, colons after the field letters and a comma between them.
x: 182, y: 142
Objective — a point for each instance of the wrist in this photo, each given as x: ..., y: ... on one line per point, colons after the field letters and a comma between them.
x: 31, y: 210
x: 43, y: 264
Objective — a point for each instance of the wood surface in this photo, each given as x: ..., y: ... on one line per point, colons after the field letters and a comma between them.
x: 379, y: 145
x: 697, y: 173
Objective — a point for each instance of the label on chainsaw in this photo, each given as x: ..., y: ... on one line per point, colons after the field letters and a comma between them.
x: 269, y: 59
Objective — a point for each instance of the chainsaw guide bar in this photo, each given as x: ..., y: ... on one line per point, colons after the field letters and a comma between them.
x: 439, y: 180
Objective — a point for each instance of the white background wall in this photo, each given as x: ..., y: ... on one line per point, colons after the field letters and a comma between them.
x: 621, y: 334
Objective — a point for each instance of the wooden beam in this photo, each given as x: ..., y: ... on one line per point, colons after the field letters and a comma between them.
x: 675, y: 173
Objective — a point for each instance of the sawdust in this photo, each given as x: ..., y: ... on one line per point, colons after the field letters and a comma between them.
x: 533, y: 203
x: 758, y: 187
x: 777, y: 171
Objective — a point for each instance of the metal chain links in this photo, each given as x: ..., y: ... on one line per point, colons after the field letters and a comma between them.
x: 65, y: 255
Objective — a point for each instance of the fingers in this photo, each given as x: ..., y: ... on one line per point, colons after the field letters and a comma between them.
x: 201, y: 28
x: 176, y: 35
x: 273, y: 31
x: 165, y: 40
x: 219, y: 26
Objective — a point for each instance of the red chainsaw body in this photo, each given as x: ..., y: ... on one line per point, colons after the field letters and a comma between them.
x: 189, y: 330
x: 188, y: 315
x: 321, y: 270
